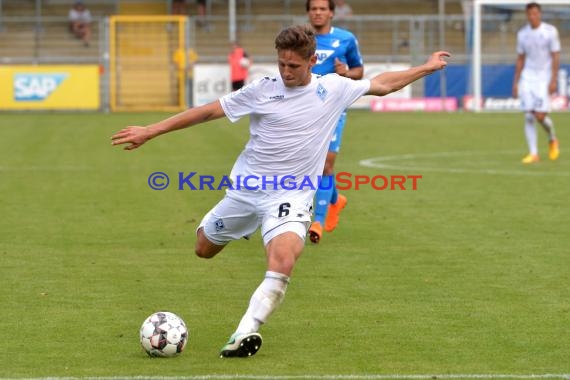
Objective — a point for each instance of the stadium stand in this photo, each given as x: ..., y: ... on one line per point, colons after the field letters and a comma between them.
x: 388, y: 30
x: 142, y: 8
x: 47, y: 38
x: 258, y: 21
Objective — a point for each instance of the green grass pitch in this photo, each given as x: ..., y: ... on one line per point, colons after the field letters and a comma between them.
x: 468, y: 274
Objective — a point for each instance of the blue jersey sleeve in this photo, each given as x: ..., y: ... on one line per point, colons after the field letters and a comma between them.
x: 353, y: 56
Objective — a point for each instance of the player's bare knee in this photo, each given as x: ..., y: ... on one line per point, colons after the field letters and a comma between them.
x: 207, y: 251
x: 204, y: 248
x: 200, y: 249
x: 283, y: 265
x: 282, y: 259
x: 202, y: 252
x: 540, y: 117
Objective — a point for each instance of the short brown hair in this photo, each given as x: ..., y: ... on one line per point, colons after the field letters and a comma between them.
x: 533, y: 5
x: 298, y: 38
x: 331, y: 5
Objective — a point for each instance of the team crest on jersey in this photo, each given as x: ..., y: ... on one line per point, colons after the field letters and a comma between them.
x: 219, y: 225
x: 321, y: 92
x: 335, y: 44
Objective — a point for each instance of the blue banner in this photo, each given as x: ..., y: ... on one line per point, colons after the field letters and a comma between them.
x: 497, y: 81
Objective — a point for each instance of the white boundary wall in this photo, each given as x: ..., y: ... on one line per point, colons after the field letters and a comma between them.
x: 212, y: 81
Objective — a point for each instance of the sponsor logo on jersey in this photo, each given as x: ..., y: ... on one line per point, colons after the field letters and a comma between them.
x: 323, y: 55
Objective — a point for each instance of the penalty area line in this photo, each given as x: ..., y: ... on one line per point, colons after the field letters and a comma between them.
x: 407, y: 162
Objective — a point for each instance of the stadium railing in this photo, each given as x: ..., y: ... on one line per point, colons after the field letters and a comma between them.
x: 393, y: 38
x: 383, y: 38
x: 29, y: 40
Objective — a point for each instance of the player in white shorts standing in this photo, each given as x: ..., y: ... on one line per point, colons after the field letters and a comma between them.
x: 536, y: 75
x: 292, y: 119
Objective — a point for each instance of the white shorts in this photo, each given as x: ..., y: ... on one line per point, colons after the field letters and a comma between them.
x: 241, y: 213
x: 534, y: 96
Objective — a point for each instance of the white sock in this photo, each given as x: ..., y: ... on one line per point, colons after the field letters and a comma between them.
x: 548, y: 126
x: 263, y: 302
x: 530, y: 133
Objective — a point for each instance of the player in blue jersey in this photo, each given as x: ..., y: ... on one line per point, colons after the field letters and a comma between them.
x: 337, y: 52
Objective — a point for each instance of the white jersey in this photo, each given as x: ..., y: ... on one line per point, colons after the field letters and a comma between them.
x: 76, y: 16
x: 290, y: 127
x: 537, y: 45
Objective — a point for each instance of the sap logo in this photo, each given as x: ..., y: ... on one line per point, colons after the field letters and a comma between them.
x: 322, y: 55
x: 36, y: 87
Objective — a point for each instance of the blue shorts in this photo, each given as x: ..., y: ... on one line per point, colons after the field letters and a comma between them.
x: 334, y: 146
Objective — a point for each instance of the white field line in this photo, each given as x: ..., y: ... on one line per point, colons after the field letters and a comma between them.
x: 319, y: 377
x: 53, y: 168
x: 397, y: 162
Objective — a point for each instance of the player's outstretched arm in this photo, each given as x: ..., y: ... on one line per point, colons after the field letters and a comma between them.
x: 137, y: 136
x: 389, y: 82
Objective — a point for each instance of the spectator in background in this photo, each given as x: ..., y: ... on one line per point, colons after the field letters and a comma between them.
x: 202, y: 13
x: 80, y: 22
x: 342, y: 11
x: 179, y: 7
x: 239, y: 66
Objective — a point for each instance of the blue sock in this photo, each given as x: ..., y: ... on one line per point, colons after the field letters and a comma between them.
x: 323, y: 198
x: 334, y: 196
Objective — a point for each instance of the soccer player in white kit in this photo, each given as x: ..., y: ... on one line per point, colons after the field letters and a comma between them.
x: 536, y: 75
x: 292, y: 119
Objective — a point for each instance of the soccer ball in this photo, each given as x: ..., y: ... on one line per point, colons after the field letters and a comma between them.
x: 244, y: 62
x: 163, y: 334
